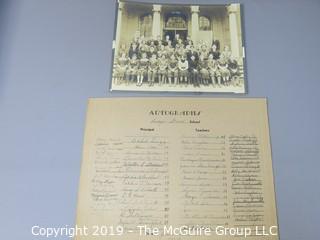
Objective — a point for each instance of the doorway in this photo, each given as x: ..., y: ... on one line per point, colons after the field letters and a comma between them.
x: 173, y: 32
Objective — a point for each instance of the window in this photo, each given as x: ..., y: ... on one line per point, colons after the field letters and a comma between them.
x: 176, y: 22
x: 146, y: 25
x: 204, y: 23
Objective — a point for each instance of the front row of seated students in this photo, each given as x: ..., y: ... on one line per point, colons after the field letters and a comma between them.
x: 177, y: 70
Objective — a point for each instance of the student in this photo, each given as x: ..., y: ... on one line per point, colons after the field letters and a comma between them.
x: 162, y: 51
x: 188, y: 41
x: 192, y: 51
x: 234, y: 71
x: 226, y: 54
x: 162, y: 73
x: 152, y: 69
x: 132, y: 69
x: 121, y: 68
x: 143, y: 48
x: 214, y: 52
x: 166, y: 41
x: 183, y: 67
x: 176, y: 40
x: 122, y: 49
x: 225, y: 73
x: 151, y: 43
x: 133, y: 50
x: 151, y: 51
x: 199, y: 45
x: 169, y: 49
x: 214, y: 71
x: 203, y: 68
x: 217, y: 44
x: 142, y: 71
x: 158, y: 41
x: 203, y: 50
x: 173, y: 70
x: 179, y: 43
x: 179, y: 52
x: 194, y: 72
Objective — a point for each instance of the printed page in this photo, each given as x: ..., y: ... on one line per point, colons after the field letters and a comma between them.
x: 176, y: 168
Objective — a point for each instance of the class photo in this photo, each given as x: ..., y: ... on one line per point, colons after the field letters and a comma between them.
x: 178, y: 48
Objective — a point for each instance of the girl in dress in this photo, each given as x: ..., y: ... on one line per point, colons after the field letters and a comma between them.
x: 142, y: 71
x: 162, y: 73
x: 152, y: 69
x: 183, y: 67
x: 132, y: 69
x: 151, y: 51
x: 204, y: 73
x: 214, y: 72
x: 143, y: 48
x: 121, y: 68
x: 161, y: 51
x: 203, y: 50
x: 234, y: 71
x: 225, y: 73
x: 179, y: 51
x: 173, y: 70
x: 169, y: 49
x: 122, y: 49
x: 226, y: 54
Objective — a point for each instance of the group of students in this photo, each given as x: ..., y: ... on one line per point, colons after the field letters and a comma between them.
x: 177, y: 62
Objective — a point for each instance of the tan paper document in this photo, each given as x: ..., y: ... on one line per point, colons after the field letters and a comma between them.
x: 177, y: 168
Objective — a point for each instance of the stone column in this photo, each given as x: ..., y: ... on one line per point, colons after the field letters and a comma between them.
x: 156, y: 23
x: 194, y: 23
x: 118, y: 31
x: 234, y: 35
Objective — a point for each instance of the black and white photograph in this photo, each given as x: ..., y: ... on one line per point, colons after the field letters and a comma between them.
x: 178, y: 47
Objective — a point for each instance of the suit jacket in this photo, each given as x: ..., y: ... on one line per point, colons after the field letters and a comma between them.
x: 193, y: 64
x: 194, y: 53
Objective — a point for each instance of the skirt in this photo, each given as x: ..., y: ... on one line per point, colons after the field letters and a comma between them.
x: 184, y: 73
x: 204, y: 73
x: 173, y: 73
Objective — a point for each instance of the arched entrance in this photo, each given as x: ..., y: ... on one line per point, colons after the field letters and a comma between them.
x: 175, y: 23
